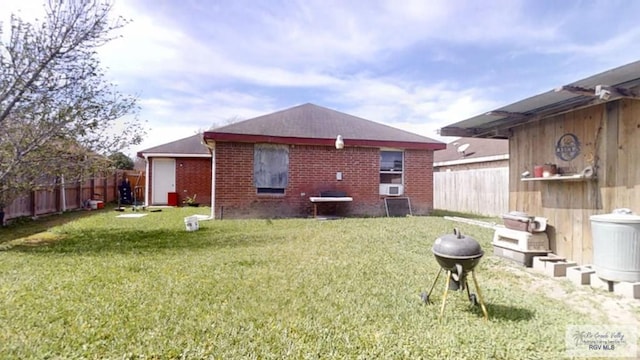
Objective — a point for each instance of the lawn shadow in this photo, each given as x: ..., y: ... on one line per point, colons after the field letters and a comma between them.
x: 25, y: 227
x: 122, y: 241
x: 505, y: 312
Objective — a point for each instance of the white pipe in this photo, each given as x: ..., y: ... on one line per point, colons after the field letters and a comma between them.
x: 212, y: 149
x: 213, y: 183
x: 146, y: 181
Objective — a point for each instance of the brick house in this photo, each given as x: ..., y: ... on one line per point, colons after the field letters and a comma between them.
x: 176, y: 170
x: 271, y: 165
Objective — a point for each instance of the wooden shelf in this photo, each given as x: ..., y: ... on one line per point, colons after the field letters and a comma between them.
x: 576, y: 177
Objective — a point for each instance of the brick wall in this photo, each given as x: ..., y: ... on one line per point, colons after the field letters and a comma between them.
x: 418, y: 176
x: 193, y: 176
x: 312, y: 169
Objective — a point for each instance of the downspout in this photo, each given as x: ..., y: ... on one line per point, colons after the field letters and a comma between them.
x: 212, y: 149
x: 146, y: 181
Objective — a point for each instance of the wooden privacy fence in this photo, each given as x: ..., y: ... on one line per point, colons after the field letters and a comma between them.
x: 477, y: 191
x: 72, y: 195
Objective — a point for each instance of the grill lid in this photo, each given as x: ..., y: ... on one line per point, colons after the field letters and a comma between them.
x: 457, y: 246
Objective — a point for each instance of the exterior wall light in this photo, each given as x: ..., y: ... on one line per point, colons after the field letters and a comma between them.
x: 339, y: 142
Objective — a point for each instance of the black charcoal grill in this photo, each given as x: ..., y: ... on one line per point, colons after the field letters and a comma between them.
x: 458, y: 255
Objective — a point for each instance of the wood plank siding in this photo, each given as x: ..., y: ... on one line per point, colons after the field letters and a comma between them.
x: 608, y: 135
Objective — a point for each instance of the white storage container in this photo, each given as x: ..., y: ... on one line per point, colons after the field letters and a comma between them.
x: 191, y: 223
x: 616, y: 246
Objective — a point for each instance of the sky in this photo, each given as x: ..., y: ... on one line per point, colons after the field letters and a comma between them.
x: 417, y: 65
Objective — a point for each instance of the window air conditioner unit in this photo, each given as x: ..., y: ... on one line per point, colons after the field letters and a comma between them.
x: 391, y: 189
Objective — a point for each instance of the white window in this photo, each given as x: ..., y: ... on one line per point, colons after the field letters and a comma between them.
x: 391, y: 167
x: 270, y: 168
x: 391, y: 170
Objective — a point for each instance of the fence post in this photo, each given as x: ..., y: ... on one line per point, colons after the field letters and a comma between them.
x: 33, y: 203
x: 79, y: 194
x: 116, y: 193
x: 57, y: 197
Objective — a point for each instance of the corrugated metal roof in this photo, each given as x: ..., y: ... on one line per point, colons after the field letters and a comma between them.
x: 494, y: 124
x: 309, y: 121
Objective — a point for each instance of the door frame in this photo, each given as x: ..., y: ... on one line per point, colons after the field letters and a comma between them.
x: 163, y: 177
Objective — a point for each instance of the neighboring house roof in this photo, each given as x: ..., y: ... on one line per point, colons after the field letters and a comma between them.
x: 191, y: 146
x: 310, y: 124
x: 472, y: 150
x: 610, y: 85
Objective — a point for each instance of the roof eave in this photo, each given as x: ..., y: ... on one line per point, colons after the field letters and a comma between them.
x: 249, y: 138
x: 145, y: 155
x: 492, y: 133
x: 483, y: 159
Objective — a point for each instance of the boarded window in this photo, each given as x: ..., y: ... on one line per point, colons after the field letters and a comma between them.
x: 270, y: 166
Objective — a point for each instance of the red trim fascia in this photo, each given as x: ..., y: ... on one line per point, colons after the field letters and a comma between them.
x: 230, y: 137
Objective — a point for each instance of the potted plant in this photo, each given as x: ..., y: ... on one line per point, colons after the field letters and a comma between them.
x: 191, y: 201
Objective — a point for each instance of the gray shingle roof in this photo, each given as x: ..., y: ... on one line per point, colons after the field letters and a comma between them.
x: 306, y: 121
x: 315, y: 122
x: 191, y: 145
x: 478, y: 148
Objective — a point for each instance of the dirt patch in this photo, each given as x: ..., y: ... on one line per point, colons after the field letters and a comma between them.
x: 602, y: 306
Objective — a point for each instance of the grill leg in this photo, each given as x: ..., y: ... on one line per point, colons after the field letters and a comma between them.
x: 446, y: 291
x: 466, y: 284
x: 484, y: 309
x: 434, y: 282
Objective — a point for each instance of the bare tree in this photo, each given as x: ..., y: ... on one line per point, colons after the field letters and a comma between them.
x: 58, y: 114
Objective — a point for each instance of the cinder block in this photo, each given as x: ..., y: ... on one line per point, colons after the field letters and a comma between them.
x: 598, y: 283
x: 554, y: 266
x: 540, y: 262
x: 580, y: 275
x: 627, y: 289
x: 521, y: 257
x: 521, y: 240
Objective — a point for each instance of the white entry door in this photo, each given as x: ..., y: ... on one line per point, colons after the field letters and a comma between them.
x: 164, y: 180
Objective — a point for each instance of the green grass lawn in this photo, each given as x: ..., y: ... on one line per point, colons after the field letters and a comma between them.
x: 99, y: 286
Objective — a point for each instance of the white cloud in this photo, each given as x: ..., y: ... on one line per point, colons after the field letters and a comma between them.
x: 196, y: 63
x: 28, y: 10
x: 414, y: 107
x: 145, y: 48
x: 623, y: 45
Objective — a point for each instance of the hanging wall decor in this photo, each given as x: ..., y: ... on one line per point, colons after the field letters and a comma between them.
x: 567, y: 147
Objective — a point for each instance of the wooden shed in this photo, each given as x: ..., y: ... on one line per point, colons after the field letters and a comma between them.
x: 587, y: 134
